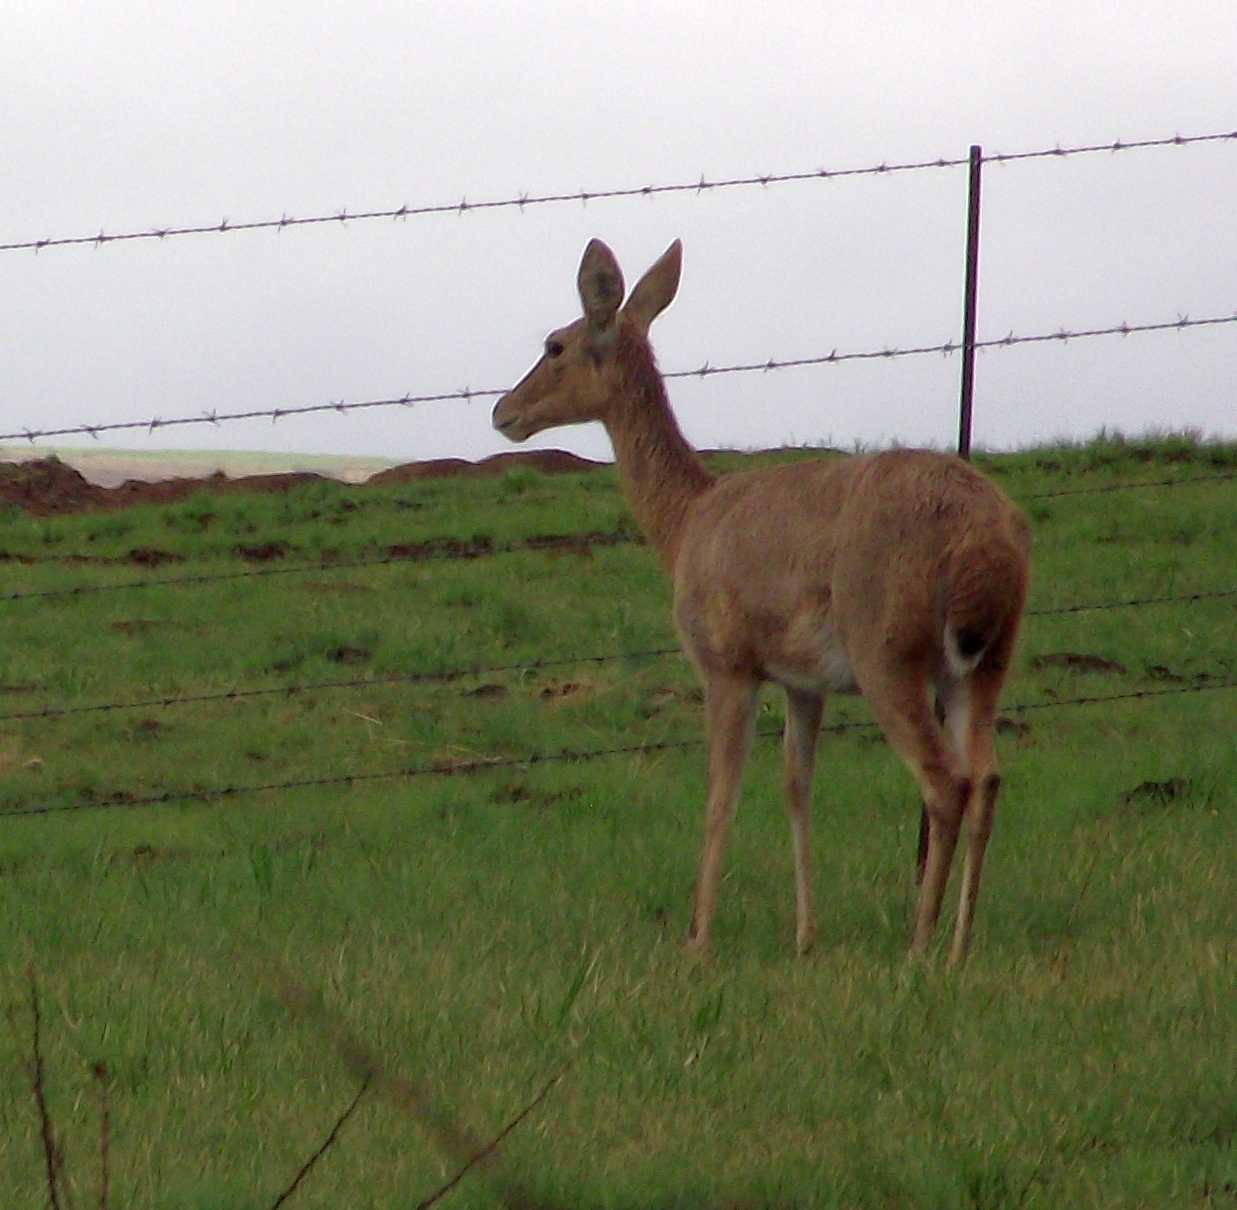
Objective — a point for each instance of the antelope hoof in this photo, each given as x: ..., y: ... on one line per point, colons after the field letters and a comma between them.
x: 805, y: 940
x: 696, y: 944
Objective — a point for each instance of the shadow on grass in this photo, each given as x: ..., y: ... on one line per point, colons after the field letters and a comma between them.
x: 472, y: 1154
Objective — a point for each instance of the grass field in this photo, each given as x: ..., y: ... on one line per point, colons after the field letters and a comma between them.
x: 237, y: 958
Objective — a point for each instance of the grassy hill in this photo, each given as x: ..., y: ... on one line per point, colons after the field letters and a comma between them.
x: 431, y: 809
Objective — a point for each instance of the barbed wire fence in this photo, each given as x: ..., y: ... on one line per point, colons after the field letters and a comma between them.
x: 439, y: 768
x: 450, y: 675
x: 447, y: 675
x: 467, y: 394
x: 446, y: 768
x: 524, y: 201
x: 966, y: 347
x: 528, y: 759
x: 454, y: 549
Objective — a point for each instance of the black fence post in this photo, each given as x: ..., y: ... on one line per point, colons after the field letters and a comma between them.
x: 968, y: 314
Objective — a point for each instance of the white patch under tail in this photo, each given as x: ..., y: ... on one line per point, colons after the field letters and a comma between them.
x: 960, y: 665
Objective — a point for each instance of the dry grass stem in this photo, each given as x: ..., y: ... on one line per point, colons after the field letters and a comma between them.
x: 51, y: 1153
x: 326, y: 1145
x: 497, y: 1140
x: 105, y: 1133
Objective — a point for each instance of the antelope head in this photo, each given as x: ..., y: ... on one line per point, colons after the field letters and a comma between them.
x: 578, y: 376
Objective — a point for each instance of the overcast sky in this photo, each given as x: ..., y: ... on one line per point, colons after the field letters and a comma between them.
x: 130, y: 116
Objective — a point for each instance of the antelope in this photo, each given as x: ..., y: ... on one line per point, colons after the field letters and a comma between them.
x: 900, y: 575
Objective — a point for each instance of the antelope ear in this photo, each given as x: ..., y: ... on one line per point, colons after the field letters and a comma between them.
x: 600, y: 282
x: 655, y: 291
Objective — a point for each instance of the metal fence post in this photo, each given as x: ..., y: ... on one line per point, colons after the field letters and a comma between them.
x: 968, y: 314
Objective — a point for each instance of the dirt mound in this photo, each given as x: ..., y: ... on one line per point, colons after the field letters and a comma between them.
x: 548, y: 462
x: 48, y: 486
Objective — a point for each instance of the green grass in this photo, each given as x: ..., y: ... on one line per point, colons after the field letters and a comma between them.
x: 477, y: 930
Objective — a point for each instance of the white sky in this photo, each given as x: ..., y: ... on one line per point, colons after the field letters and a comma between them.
x: 131, y: 116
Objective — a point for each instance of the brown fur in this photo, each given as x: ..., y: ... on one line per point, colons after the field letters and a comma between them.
x: 902, y: 575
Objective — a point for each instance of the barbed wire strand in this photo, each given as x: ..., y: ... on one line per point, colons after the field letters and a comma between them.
x: 342, y: 217
x: 468, y: 672
x: 1101, y: 488
x: 441, y: 676
x: 1057, y: 610
x: 1116, y: 146
x: 452, y: 549
x: 419, y: 553
x: 467, y: 394
x: 527, y: 760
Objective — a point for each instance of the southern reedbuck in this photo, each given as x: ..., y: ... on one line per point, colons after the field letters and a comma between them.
x: 900, y: 575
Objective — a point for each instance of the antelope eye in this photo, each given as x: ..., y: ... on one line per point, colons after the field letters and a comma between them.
x: 553, y: 348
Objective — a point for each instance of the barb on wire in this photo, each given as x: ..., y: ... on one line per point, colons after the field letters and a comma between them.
x: 450, y: 675
x: 707, y: 370
x: 584, y: 196
x: 525, y: 761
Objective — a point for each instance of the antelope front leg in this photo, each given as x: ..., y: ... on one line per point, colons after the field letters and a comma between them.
x: 730, y: 703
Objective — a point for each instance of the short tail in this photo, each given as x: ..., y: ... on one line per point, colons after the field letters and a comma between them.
x: 986, y: 589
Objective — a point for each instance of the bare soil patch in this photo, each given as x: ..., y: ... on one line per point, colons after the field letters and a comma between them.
x: 134, y: 626
x: 148, y: 556
x: 560, y: 690
x: 1077, y: 662
x: 263, y: 553
x: 491, y: 690
x: 1158, y: 792
x: 1159, y: 672
x: 548, y: 462
x: 453, y: 547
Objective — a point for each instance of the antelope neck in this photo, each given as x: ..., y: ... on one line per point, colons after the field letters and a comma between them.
x: 660, y: 472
